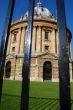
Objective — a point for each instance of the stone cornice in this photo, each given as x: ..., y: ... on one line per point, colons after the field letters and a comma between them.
x: 37, y: 22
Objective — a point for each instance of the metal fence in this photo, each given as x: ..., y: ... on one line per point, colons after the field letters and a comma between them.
x: 64, y: 84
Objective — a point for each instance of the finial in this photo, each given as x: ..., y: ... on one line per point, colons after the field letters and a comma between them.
x: 39, y: 1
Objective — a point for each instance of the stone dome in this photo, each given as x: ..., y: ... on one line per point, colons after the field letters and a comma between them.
x: 40, y: 10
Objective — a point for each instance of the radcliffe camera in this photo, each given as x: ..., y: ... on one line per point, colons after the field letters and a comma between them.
x: 36, y: 55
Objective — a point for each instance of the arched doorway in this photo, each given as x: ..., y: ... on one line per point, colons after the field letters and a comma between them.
x: 8, y: 69
x: 47, y: 71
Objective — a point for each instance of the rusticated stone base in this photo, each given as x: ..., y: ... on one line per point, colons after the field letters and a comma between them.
x: 36, y: 68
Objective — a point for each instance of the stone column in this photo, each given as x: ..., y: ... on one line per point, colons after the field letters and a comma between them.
x: 57, y: 37
x: 9, y: 43
x: 43, y: 35
x: 18, y: 41
x: 38, y: 40
x: 53, y: 41
x: 70, y: 70
x: 23, y: 35
x: 34, y: 40
x: 70, y: 51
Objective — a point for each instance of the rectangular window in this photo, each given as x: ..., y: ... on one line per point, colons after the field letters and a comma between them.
x: 13, y: 49
x: 14, y: 38
x: 46, y: 47
x: 46, y: 35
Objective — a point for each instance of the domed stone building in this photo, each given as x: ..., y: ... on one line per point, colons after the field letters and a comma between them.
x: 45, y: 47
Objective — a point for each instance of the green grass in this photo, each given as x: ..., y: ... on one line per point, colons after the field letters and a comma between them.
x: 43, y: 96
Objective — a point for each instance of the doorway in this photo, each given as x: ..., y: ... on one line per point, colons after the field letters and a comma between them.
x: 47, y: 71
x: 8, y: 69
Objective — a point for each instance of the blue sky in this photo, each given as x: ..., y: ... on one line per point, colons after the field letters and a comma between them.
x: 21, y: 6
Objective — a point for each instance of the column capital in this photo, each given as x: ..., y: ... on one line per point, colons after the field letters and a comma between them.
x: 34, y: 26
x: 20, y: 29
x: 39, y: 26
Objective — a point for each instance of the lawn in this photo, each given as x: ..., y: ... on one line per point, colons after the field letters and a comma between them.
x: 43, y: 96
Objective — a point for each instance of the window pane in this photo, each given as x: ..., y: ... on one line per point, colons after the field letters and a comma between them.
x: 46, y: 48
x: 14, y: 38
x: 13, y: 49
x: 46, y: 35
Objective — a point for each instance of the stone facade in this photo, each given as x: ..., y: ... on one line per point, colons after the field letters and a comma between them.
x: 45, y: 48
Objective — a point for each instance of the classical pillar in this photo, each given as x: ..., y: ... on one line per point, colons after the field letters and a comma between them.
x: 70, y: 70
x: 70, y: 51
x: 34, y: 40
x: 53, y: 41
x: 18, y: 41
x: 57, y: 38
x: 43, y: 35
x: 23, y: 35
x: 38, y: 40
x: 9, y: 43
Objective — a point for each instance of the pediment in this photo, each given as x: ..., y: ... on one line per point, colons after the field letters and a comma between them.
x: 10, y: 56
x: 49, y: 56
